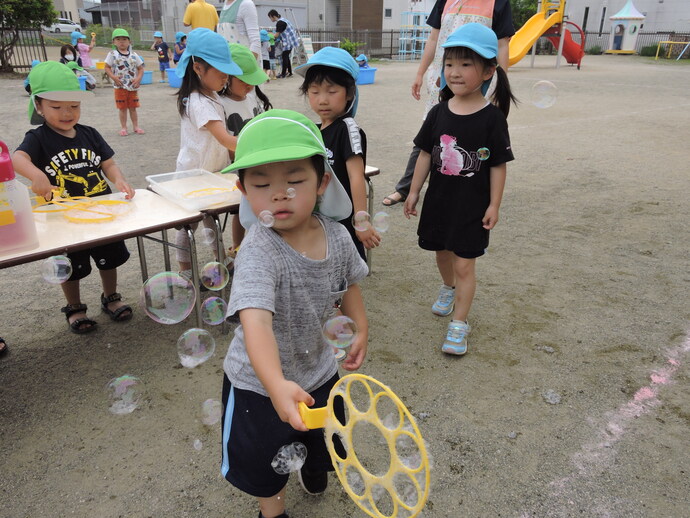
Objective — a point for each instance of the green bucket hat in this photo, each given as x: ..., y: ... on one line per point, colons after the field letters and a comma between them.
x: 251, y: 72
x: 120, y: 32
x: 281, y: 136
x: 54, y: 81
x: 73, y: 65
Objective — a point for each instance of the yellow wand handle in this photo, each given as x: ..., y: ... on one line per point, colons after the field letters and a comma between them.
x: 313, y: 417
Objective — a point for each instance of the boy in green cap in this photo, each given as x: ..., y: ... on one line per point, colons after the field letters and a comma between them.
x: 296, y: 269
x: 73, y: 160
x: 126, y: 69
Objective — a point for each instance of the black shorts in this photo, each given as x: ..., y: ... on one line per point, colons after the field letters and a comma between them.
x: 267, y: 64
x: 106, y: 257
x: 253, y: 433
x: 435, y: 247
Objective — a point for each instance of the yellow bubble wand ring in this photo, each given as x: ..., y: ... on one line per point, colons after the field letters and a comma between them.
x: 208, y: 191
x: 416, y: 476
x: 79, y: 204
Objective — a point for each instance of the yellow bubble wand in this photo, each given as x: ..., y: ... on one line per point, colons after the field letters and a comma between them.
x: 406, y: 480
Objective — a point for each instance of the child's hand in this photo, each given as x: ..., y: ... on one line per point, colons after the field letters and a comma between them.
x: 136, y: 83
x: 490, y: 217
x: 369, y: 238
x: 358, y: 350
x: 42, y: 186
x: 410, y: 204
x: 117, y: 82
x: 124, y: 187
x: 285, y: 396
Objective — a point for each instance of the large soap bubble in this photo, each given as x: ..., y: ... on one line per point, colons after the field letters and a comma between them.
x: 168, y: 297
x: 56, y: 269
x: 211, y: 411
x: 361, y: 221
x: 194, y: 347
x: 213, y: 310
x: 544, y: 94
x: 289, y: 458
x: 124, y: 394
x: 340, y: 331
x: 214, y: 276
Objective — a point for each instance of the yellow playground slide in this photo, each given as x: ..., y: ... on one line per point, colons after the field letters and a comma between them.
x: 550, y: 14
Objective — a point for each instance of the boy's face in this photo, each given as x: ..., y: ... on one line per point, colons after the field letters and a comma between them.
x: 158, y: 40
x: 122, y: 43
x: 328, y: 100
x: 266, y: 188
x: 62, y: 116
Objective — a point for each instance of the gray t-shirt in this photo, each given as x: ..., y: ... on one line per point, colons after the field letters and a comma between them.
x: 300, y: 292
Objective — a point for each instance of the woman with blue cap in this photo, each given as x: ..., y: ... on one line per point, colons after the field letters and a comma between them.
x: 464, y: 147
x: 205, y: 142
x: 330, y: 85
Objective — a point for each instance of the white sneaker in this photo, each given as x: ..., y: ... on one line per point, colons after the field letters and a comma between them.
x: 456, y: 339
x: 445, y: 302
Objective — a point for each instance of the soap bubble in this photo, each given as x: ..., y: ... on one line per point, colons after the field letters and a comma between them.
x: 197, y: 444
x: 340, y: 331
x: 381, y: 221
x: 207, y: 236
x: 213, y: 310
x: 483, y: 153
x: 290, y: 192
x: 289, y: 458
x: 168, y: 297
x: 266, y: 218
x: 125, y: 394
x: 339, y: 354
x: 211, y: 410
x: 214, y: 276
x: 544, y: 94
x: 56, y: 269
x: 194, y: 347
x: 361, y: 220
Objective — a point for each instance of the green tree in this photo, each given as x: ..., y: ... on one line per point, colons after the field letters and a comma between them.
x: 523, y: 10
x: 20, y: 14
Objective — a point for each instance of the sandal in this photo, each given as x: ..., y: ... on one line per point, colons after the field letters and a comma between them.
x: 389, y: 201
x: 4, y: 349
x: 116, y: 315
x: 123, y: 133
x: 76, y: 326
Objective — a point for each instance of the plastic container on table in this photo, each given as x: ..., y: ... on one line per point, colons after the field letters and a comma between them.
x: 195, y: 189
x: 366, y: 76
x: 17, y: 226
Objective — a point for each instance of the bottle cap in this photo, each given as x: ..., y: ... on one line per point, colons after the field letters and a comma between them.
x: 6, y: 169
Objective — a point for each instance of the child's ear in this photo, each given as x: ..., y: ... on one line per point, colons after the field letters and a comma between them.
x: 241, y: 187
x: 324, y: 183
x: 489, y: 72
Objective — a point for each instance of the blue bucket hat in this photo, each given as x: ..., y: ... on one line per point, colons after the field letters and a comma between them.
x: 476, y: 37
x: 336, y: 58
x: 212, y: 48
x: 158, y: 34
x: 75, y: 36
x: 361, y: 57
x: 179, y: 35
x: 264, y: 35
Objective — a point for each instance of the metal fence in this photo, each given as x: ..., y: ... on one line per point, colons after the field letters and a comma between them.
x: 29, y: 46
x: 644, y: 39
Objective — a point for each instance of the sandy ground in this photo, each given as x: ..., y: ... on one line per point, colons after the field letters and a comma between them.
x: 581, y: 301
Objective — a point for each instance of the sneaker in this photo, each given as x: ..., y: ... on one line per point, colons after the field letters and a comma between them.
x: 456, y: 339
x: 313, y: 483
x: 445, y: 302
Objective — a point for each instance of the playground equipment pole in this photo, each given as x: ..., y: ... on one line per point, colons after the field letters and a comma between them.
x: 534, y: 47
x: 561, y: 42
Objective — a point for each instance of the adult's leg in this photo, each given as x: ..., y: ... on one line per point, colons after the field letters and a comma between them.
x: 287, y: 66
x: 402, y: 188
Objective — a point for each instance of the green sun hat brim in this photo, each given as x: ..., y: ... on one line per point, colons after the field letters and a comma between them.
x: 56, y: 82
x: 117, y: 33
x: 252, y: 74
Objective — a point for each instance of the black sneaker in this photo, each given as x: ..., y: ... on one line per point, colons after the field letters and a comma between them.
x: 314, y: 482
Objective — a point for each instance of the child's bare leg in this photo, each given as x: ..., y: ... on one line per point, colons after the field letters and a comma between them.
x: 162, y: 75
x: 135, y: 119
x: 109, y: 283
x: 123, y: 118
x: 73, y: 297
x: 465, y: 286
x: 444, y: 261
x: 237, y: 232
x: 274, y: 505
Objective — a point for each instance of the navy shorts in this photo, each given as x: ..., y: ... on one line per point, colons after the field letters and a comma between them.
x: 253, y: 433
x: 435, y: 247
x: 106, y: 257
x: 163, y: 65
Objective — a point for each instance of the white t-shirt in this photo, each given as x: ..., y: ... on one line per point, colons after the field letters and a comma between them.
x: 199, y: 149
x: 239, y: 113
x: 246, y: 27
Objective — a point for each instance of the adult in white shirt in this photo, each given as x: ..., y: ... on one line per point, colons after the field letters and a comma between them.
x: 239, y: 23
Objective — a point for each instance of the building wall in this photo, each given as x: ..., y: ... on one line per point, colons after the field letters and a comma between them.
x: 68, y: 9
x: 660, y: 15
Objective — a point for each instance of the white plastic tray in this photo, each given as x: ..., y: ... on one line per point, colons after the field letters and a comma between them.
x: 187, y: 188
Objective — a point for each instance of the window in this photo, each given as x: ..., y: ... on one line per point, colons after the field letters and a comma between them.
x: 388, y: 13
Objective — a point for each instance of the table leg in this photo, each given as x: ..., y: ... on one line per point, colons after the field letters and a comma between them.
x: 142, y: 259
x: 195, y: 273
x: 166, y: 249
x: 370, y: 208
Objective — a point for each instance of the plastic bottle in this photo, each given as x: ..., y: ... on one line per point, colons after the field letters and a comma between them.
x: 17, y: 227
